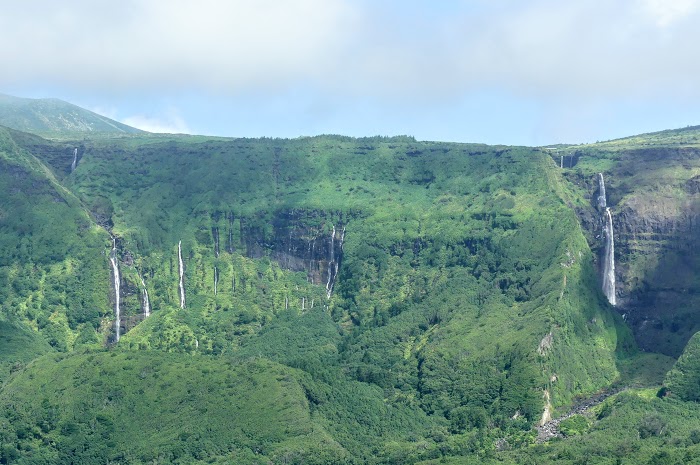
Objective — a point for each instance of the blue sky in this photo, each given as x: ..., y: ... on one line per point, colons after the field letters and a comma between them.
x: 499, y: 71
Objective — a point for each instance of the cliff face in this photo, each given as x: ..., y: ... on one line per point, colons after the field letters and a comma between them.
x: 658, y: 241
x: 655, y: 198
x: 299, y: 240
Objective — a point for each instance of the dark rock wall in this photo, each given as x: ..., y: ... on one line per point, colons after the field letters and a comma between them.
x: 655, y: 200
x: 299, y: 240
x: 658, y: 239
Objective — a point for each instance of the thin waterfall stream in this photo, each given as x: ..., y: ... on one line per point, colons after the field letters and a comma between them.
x: 117, y: 280
x: 181, y: 268
x: 75, y: 160
x: 608, y: 237
x: 146, y: 302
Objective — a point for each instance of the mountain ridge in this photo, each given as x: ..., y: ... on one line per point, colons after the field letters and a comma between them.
x: 55, y: 117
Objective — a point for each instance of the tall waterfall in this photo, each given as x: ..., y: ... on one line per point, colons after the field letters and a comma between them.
x: 602, y: 199
x: 215, y: 233
x: 561, y: 162
x: 216, y: 279
x: 117, y: 280
x: 75, y: 160
x: 146, y: 303
x: 609, y: 265
x: 608, y: 236
x: 182, y: 273
x: 333, y: 263
x: 329, y: 283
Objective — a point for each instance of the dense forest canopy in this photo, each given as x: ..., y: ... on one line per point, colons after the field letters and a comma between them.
x: 372, y: 300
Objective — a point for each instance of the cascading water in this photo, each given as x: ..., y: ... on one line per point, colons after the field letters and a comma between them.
x: 146, y: 302
x: 608, y: 236
x: 561, y: 162
x: 182, y: 273
x: 117, y: 280
x: 333, y: 263
x: 602, y: 199
x: 216, y: 279
x: 75, y: 160
x: 609, y: 266
x: 215, y: 233
x: 329, y: 283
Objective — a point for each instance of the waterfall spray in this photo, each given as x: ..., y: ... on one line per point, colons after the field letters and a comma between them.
x: 609, y: 266
x: 117, y: 280
x: 333, y: 264
x: 75, y: 160
x: 602, y: 199
x: 215, y: 232
x: 608, y: 236
x: 329, y: 283
x: 146, y: 302
x: 182, y: 272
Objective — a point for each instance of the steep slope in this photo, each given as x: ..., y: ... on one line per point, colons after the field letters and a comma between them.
x: 18, y: 346
x: 55, y: 117
x: 683, y: 381
x: 653, y: 190
x: 52, y: 267
x: 442, y: 250
x: 431, y: 297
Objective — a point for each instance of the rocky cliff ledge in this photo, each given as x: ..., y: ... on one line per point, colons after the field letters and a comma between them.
x: 655, y: 199
x: 299, y: 240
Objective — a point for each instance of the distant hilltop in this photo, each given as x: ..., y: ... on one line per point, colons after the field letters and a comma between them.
x: 54, y: 117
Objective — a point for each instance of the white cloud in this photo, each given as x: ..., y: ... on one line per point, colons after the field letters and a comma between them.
x: 171, y: 123
x: 666, y: 12
x: 228, y: 46
x: 537, y: 49
x: 389, y: 51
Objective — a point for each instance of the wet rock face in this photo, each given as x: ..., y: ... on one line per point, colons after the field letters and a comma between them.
x: 654, y: 195
x: 658, y: 239
x: 300, y: 240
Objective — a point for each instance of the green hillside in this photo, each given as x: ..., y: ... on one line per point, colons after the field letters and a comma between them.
x: 373, y: 300
x: 52, y: 270
x: 142, y: 407
x: 53, y: 117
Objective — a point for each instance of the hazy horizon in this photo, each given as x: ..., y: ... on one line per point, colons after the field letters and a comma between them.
x: 537, y: 73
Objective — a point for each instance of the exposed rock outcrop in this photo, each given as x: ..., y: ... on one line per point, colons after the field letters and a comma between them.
x: 301, y: 240
x: 655, y: 195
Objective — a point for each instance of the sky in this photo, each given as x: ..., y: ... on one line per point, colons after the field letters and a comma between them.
x: 516, y: 72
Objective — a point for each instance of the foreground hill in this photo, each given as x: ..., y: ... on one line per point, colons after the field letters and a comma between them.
x: 56, y: 118
x: 143, y: 407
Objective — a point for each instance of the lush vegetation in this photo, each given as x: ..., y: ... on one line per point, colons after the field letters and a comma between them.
x: 683, y: 381
x: 634, y: 427
x: 141, y: 407
x: 51, y: 254
x: 466, y: 307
